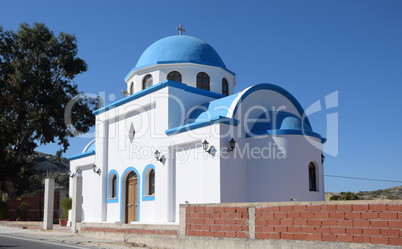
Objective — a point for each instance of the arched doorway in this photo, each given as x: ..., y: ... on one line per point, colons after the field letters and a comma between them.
x: 131, y: 197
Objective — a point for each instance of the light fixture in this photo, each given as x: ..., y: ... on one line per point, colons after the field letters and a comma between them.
x: 97, y: 171
x: 232, y: 145
x: 158, y: 156
x: 72, y: 175
x: 124, y: 92
x: 205, y: 146
x: 322, y: 158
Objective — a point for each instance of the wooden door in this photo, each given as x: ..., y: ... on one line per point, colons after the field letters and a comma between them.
x: 131, y: 209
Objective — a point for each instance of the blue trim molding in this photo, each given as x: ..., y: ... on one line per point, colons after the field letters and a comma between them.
x: 144, y: 179
x: 196, y: 125
x: 85, y: 154
x: 176, y: 62
x: 122, y: 209
x: 287, y: 132
x: 115, y: 199
x: 157, y: 87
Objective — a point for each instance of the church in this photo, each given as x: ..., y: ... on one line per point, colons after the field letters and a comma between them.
x: 182, y: 135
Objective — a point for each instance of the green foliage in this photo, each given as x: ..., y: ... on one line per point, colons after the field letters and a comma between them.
x: 344, y: 196
x: 61, y: 178
x: 37, y: 70
x: 3, y: 210
x: 35, y: 183
x: 66, y: 204
x: 30, y: 194
x: 348, y: 196
x: 23, y: 211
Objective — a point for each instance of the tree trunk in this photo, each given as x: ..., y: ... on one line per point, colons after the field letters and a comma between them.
x: 12, y: 195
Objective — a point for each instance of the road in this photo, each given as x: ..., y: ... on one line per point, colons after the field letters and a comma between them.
x: 7, y: 241
x: 11, y: 237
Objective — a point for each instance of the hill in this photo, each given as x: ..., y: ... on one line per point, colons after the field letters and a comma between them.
x: 48, y: 165
x: 394, y: 193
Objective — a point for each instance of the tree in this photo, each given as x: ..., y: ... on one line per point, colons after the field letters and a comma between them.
x: 36, y: 82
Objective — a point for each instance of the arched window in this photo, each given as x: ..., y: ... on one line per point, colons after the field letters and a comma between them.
x: 132, y: 88
x: 148, y: 184
x: 147, y: 81
x: 132, y: 174
x: 112, y: 186
x: 225, y: 87
x: 312, y: 176
x: 151, y: 182
x: 203, y: 81
x: 175, y: 76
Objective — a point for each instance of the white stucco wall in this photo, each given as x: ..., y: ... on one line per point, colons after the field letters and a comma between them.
x: 272, y: 177
x: 92, y: 197
x: 188, y: 72
x: 197, y: 173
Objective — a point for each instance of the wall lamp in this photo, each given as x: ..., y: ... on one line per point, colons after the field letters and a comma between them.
x: 322, y: 158
x: 232, y: 145
x: 77, y: 171
x: 94, y: 168
x: 205, y: 146
x: 157, y: 155
x: 124, y: 92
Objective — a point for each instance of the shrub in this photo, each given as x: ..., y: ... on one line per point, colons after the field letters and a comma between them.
x: 349, y: 196
x: 23, y: 211
x: 334, y: 198
x: 66, y: 204
x: 3, y: 210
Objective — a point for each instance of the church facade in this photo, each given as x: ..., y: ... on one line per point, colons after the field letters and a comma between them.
x: 182, y: 135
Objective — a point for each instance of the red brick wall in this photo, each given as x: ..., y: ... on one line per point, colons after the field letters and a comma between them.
x: 228, y: 222
x: 36, y: 204
x: 352, y: 222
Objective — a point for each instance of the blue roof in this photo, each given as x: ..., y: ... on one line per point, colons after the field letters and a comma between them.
x: 215, y: 108
x: 157, y: 87
x: 279, y: 121
x: 89, y: 150
x: 179, y: 49
x: 218, y: 111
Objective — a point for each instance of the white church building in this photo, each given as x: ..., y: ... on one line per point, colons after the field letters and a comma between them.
x: 182, y: 135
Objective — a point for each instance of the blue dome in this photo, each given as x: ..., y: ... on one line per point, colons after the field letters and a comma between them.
x: 180, y: 49
x: 89, y: 147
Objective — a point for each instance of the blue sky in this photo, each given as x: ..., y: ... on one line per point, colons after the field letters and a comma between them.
x: 310, y: 48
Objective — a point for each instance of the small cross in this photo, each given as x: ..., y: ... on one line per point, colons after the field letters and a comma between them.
x: 180, y: 29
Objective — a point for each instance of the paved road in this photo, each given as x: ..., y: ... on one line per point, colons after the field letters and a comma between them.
x: 8, y: 241
x: 11, y: 237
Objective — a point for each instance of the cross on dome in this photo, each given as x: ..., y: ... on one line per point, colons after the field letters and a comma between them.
x: 180, y: 29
